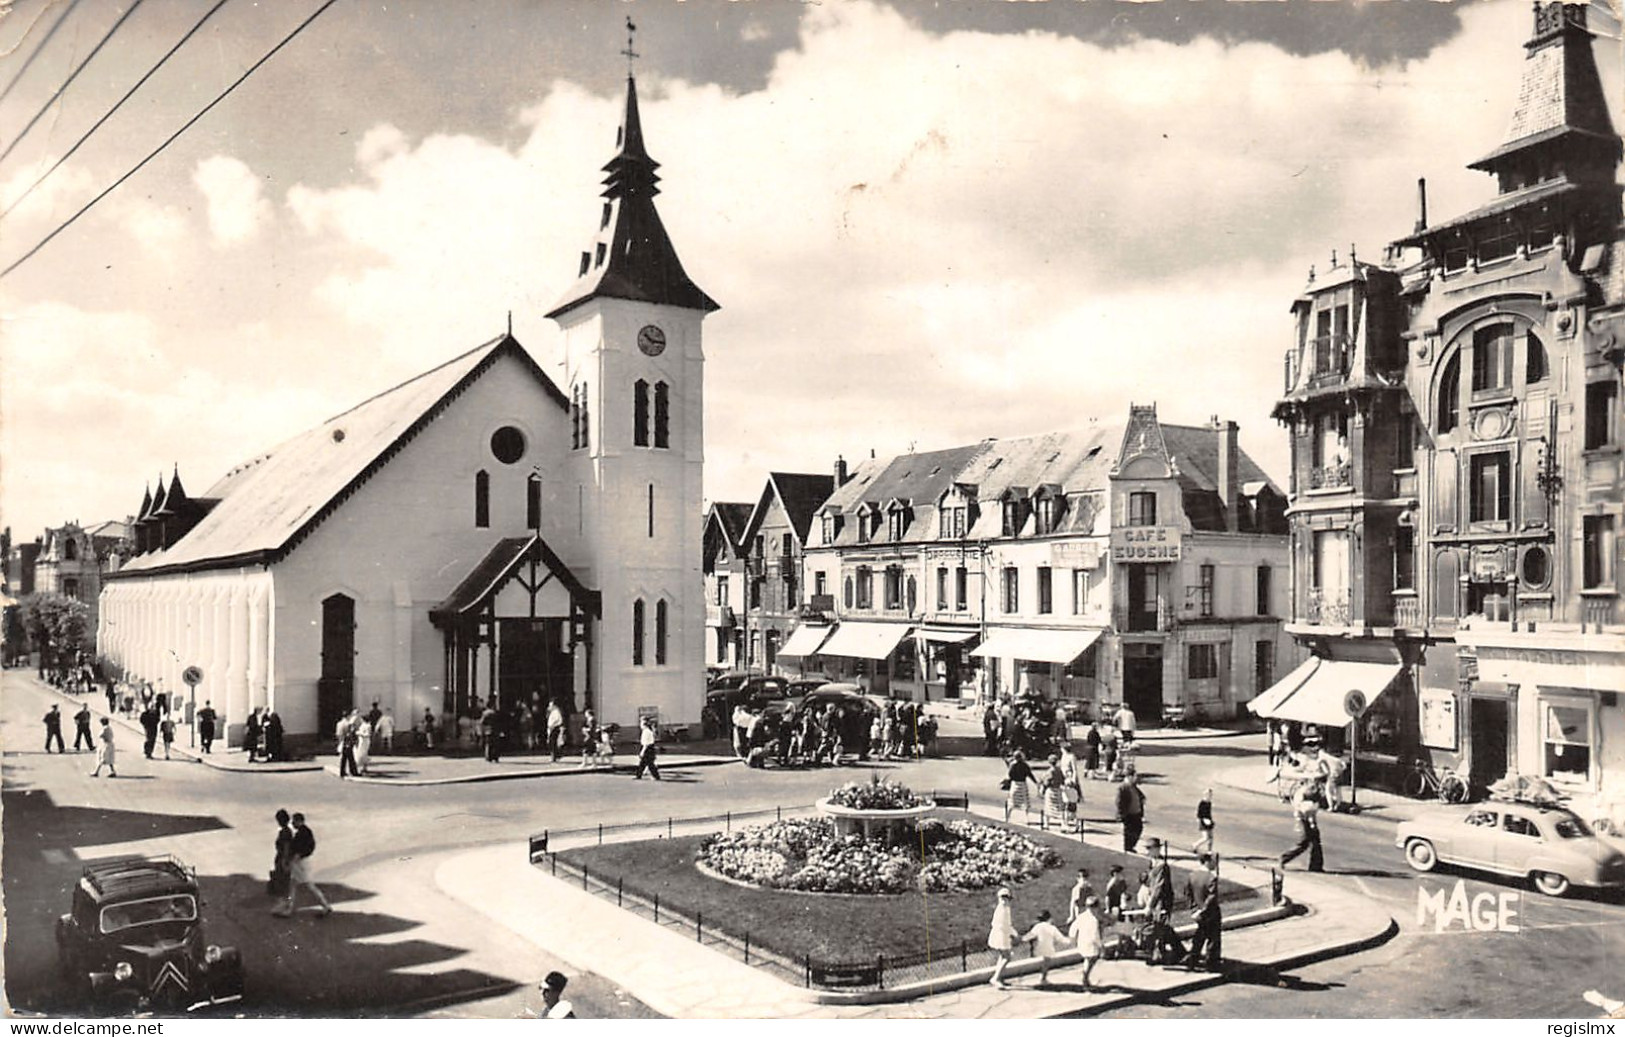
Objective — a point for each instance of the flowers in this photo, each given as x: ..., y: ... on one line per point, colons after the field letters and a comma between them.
x: 805, y: 854
x: 875, y: 795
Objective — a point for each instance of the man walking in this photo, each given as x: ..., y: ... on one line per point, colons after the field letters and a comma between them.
x: 1209, y: 923
x: 81, y: 729
x: 647, y: 750
x: 1125, y: 722
x: 554, y: 1005
x: 1165, y: 946
x: 1131, y: 811
x: 300, y: 849
x: 555, y: 729
x: 1203, y: 846
x: 345, y: 735
x: 205, y: 725
x: 490, y: 722
x: 53, y: 729
x: 1306, y: 810
x: 149, y: 724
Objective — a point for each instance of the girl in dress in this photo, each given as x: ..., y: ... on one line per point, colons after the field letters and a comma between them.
x: 1017, y: 778
x: 1001, y: 937
x: 1086, y: 935
x: 363, y: 743
x: 1054, y: 811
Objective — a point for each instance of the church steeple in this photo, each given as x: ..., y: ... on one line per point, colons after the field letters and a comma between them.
x: 632, y: 257
x: 1560, y: 127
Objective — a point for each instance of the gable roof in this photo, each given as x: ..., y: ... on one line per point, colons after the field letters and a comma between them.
x: 733, y: 517
x: 799, y: 494
x: 1196, y: 449
x: 271, y: 503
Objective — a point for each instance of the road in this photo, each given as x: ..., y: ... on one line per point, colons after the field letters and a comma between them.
x: 397, y: 945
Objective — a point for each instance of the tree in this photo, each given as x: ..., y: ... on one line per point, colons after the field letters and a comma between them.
x: 58, y: 628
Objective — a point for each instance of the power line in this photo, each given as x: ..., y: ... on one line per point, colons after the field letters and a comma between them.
x: 36, y: 51
x: 65, y: 224
x: 69, y: 81
x: 110, y: 112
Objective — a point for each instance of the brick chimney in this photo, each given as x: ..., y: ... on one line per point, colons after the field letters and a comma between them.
x: 1229, y: 478
x: 840, y: 472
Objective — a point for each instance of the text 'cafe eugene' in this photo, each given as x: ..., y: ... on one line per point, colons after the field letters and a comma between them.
x: 1146, y: 544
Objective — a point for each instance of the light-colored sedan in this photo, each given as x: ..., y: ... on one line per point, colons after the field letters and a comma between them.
x: 1551, y: 847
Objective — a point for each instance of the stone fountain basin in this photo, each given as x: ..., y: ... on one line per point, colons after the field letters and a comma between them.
x: 856, y: 821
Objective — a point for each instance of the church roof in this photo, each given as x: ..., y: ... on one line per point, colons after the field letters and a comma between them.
x: 632, y: 257
x: 269, y: 504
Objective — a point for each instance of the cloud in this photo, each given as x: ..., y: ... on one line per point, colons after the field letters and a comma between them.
x: 236, y: 207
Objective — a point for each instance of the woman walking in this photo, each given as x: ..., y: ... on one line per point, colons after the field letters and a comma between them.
x: 107, y: 754
x: 1016, y: 780
x: 1071, y: 789
x: 1001, y: 938
x: 1054, y: 810
x: 1091, y: 750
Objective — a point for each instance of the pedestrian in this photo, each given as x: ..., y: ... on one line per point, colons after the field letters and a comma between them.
x: 251, y: 734
x: 300, y: 849
x: 1001, y: 937
x: 990, y: 730
x: 374, y: 714
x: 107, y: 755
x: 1116, y: 892
x: 205, y: 725
x: 1125, y: 722
x: 1054, y: 808
x: 384, y: 732
x: 555, y: 729
x: 279, y: 882
x: 1203, y: 846
x: 53, y: 729
x: 1165, y: 945
x: 553, y: 998
x: 1086, y: 936
x: 526, y: 728
x: 1015, y: 784
x: 647, y: 749
x: 1276, y: 740
x: 489, y: 724
x: 1047, y: 942
x: 1071, y: 789
x: 1108, y: 750
x: 589, y: 736
x: 363, y: 743
x: 81, y: 729
x: 344, y: 734
x: 271, y: 732
x: 166, y: 727
x: 1329, y: 766
x: 1209, y: 923
x: 149, y: 725
x: 1306, y: 811
x: 1082, y: 890
x: 112, y: 697
x: 1091, y: 750
x: 428, y: 729
x: 1131, y: 811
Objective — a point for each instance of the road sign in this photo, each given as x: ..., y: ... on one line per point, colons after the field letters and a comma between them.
x: 1354, y: 702
x: 193, y: 676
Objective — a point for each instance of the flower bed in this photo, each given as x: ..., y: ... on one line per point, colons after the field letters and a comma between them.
x: 806, y: 855
x: 875, y: 795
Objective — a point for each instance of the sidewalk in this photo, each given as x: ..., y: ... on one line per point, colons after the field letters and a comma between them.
x: 678, y: 977
x: 1373, y: 804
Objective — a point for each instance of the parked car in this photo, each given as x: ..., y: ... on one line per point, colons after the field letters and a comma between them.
x: 1549, y: 846
x: 838, y: 692
x: 134, y: 940
x: 755, y: 693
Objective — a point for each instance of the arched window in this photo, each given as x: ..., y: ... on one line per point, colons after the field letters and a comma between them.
x: 482, y: 500
x: 1450, y: 395
x: 533, y: 502
x: 70, y: 549
x: 637, y: 632
x: 1534, y: 364
x: 575, y: 417
x: 660, y: 632
x: 662, y: 415
x: 640, y: 413
x: 847, y: 592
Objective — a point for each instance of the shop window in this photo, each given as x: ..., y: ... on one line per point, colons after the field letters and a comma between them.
x: 1046, y: 591
x: 662, y: 415
x: 637, y: 632
x: 1202, y: 662
x: 1204, y: 591
x: 961, y: 583
x: 1011, y: 598
x: 640, y: 413
x: 1566, y: 737
x: 1492, y: 359
x: 482, y: 500
x: 1597, y: 550
x: 1490, y: 492
x: 1602, y: 414
x: 1142, y: 508
x: 1450, y: 395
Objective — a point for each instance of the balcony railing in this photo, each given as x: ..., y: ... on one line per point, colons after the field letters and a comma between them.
x: 1599, y: 613
x: 1330, y: 476
x: 1407, y: 612
x: 1330, y: 610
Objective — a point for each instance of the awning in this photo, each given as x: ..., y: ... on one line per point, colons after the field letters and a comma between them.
x: 1324, y: 696
x: 1265, y: 703
x: 865, y: 640
x: 946, y: 635
x: 1044, y: 646
x: 805, y: 639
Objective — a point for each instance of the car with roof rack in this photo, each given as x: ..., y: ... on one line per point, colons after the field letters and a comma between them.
x: 1546, y: 844
x: 134, y: 941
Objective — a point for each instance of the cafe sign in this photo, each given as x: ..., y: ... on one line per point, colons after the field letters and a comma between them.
x: 1147, y: 544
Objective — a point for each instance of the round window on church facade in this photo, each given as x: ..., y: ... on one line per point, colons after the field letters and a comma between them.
x: 507, y: 444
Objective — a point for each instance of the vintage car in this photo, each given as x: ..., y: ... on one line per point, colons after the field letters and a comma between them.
x: 134, y: 940
x: 1550, y: 846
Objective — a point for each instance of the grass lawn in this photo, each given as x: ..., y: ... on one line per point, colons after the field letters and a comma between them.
x: 857, y: 928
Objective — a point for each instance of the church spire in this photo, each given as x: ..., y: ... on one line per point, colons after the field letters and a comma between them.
x: 632, y: 257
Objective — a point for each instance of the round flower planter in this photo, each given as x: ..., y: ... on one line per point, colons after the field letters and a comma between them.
x: 892, y: 826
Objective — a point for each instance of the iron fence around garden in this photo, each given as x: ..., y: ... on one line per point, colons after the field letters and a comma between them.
x: 872, y: 974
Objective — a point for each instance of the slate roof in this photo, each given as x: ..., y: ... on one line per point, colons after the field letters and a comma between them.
x: 271, y: 502
x: 800, y: 494
x: 733, y: 517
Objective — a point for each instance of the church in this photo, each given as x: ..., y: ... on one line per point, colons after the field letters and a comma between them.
x: 477, y: 534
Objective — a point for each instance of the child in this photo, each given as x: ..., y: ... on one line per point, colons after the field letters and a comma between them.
x: 1204, y: 825
x: 1046, y: 941
x: 1086, y: 935
x: 1001, y: 938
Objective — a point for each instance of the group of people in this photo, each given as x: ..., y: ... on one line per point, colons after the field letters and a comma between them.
x: 262, y: 736
x: 1061, y: 791
x: 1027, y: 723
x: 825, y: 734
x: 102, y: 744
x: 290, y: 870
x: 1092, y: 921
x: 357, y: 733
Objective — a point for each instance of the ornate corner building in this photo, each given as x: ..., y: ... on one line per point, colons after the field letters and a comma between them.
x: 1455, y: 423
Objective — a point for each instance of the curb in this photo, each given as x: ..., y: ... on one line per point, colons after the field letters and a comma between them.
x: 469, y: 779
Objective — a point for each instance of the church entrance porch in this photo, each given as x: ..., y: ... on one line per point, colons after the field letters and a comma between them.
x: 535, y: 663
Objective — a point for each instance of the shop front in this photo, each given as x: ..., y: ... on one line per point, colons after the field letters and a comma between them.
x: 868, y: 654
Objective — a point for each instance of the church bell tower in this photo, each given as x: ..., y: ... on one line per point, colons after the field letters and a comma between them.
x: 636, y: 375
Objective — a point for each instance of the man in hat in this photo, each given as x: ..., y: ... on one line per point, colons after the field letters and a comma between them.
x: 1166, y: 947
x: 1131, y: 811
x: 647, y: 748
x: 556, y: 1007
x: 53, y: 729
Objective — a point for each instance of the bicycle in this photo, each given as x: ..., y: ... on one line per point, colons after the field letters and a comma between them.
x: 1423, y: 782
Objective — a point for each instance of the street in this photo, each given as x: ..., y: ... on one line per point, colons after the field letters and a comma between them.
x: 397, y: 945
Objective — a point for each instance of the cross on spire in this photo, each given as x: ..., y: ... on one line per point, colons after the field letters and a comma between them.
x: 631, y: 55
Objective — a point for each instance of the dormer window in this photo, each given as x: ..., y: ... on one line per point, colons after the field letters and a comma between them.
x: 897, y: 523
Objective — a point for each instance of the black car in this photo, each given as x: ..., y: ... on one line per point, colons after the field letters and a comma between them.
x: 758, y: 694
x: 134, y: 940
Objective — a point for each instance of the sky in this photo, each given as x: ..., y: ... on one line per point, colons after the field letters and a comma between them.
x: 926, y: 223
